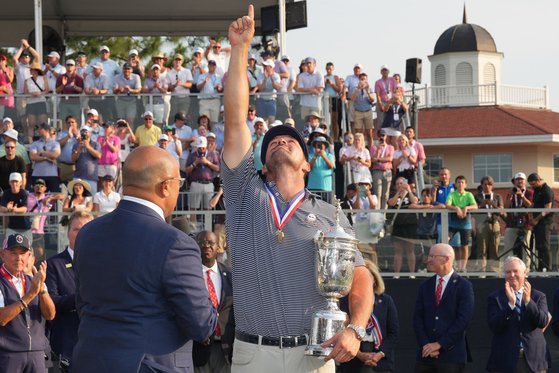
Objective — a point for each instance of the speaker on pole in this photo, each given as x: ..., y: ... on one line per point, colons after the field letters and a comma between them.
x: 413, y: 70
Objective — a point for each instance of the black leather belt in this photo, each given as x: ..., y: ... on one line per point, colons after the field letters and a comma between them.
x: 281, y: 342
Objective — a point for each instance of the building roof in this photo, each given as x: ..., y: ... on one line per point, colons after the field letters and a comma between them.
x: 465, y: 37
x: 487, y: 124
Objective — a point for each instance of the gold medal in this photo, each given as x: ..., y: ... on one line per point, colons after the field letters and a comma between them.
x: 281, y: 235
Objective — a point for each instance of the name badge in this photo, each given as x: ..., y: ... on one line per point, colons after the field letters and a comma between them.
x: 396, y: 116
x: 68, y: 265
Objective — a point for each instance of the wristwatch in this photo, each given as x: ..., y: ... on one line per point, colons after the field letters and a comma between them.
x: 360, y: 331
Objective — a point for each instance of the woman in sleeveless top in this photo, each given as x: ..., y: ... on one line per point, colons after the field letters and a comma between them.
x: 80, y: 196
x: 6, y: 90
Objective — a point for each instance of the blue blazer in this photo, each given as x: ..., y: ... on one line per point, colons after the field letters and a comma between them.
x: 508, y: 331
x: 139, y: 290
x: 447, y: 322
x: 61, y: 284
x: 387, y: 315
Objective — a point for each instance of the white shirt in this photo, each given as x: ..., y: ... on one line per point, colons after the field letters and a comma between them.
x: 183, y: 76
x: 146, y: 203
x: 106, y: 203
x: 445, y: 278
x: 216, y: 279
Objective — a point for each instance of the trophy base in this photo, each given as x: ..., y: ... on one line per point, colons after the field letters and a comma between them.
x: 318, y: 351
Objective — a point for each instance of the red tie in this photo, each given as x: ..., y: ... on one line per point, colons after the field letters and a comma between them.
x: 439, y: 291
x: 213, y: 298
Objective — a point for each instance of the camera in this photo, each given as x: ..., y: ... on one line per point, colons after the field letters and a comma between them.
x: 487, y: 196
x: 515, y: 190
x: 381, y: 140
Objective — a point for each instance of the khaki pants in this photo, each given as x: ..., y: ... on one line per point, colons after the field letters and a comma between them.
x: 252, y: 358
x: 488, y: 239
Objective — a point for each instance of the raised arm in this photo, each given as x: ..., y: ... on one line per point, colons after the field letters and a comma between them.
x: 237, y: 135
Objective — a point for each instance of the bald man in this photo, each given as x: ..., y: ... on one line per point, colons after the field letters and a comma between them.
x: 139, y: 288
x: 443, y: 310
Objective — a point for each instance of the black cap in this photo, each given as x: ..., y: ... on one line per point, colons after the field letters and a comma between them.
x: 381, y: 132
x: 17, y: 240
x: 108, y: 177
x: 26, y: 54
x: 279, y: 131
x: 40, y: 181
x: 126, y: 66
x: 45, y: 126
x: 181, y: 115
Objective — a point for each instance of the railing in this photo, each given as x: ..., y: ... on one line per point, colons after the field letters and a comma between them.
x: 481, y: 95
x: 382, y: 248
x: 164, y: 107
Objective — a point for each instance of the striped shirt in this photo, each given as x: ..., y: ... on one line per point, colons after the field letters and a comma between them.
x: 274, y: 286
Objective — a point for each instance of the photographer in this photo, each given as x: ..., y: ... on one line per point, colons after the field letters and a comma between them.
x: 85, y: 154
x: 488, y: 229
x: 363, y: 99
x: 381, y: 157
x: 201, y: 167
x: 518, y: 224
x: 127, y: 138
x: 322, y: 165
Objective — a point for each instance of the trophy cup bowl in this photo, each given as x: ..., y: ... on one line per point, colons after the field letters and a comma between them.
x: 335, y: 258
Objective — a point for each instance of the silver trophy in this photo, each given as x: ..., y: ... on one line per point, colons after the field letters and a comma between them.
x: 335, y: 258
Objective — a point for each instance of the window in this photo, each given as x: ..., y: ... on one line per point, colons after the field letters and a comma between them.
x: 556, y: 168
x: 439, y: 94
x: 440, y: 75
x: 498, y: 166
x: 431, y: 168
x: 488, y: 73
x: 464, y: 77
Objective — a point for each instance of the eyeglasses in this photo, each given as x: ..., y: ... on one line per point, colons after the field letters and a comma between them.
x: 179, y: 179
x: 217, y: 47
x: 10, y: 147
x: 40, y: 185
x: 206, y: 243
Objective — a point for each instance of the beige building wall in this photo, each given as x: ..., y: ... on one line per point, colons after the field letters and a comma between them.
x: 525, y: 158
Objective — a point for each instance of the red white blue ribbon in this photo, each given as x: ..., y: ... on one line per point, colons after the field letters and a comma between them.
x: 280, y: 220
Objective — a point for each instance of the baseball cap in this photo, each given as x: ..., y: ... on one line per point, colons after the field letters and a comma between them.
x: 211, y: 62
x: 268, y: 63
x: 201, y: 142
x: 289, y: 122
x: 155, y: 66
x: 85, y: 128
x: 7, y: 120
x: 282, y: 131
x: 365, y: 180
x: 181, y: 115
x: 92, y: 112
x: 252, y: 57
x: 167, y: 128
x: 53, y: 54
x: 97, y: 65
x: 133, y: 52
x: 285, y: 57
x: 212, y: 135
x: 40, y: 181
x: 71, y: 62
x: 199, y: 50
x: 178, y: 56
x: 45, y: 126
x: 519, y: 175
x: 310, y: 59
x: 381, y: 132
x: 126, y: 66
x: 108, y: 177
x: 358, y: 65
x: 17, y: 240
x: 384, y: 67
x: 15, y: 176
x: 147, y: 114
x: 164, y: 137
x: 11, y: 133
x: 104, y: 48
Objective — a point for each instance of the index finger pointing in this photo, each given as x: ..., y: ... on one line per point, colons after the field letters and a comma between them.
x: 251, y: 11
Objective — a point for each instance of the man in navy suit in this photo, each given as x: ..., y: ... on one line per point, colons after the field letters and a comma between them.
x: 61, y: 284
x: 516, y: 315
x: 215, y: 355
x: 443, y: 310
x: 139, y: 287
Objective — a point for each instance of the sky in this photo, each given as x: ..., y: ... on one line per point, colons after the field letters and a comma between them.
x: 375, y: 33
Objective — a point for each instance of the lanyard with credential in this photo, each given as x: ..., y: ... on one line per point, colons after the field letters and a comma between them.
x: 8, y: 277
x: 279, y: 220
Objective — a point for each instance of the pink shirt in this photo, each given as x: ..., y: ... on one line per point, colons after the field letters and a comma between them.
x: 107, y: 156
x: 384, y: 88
x: 418, y: 147
x: 383, y: 151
